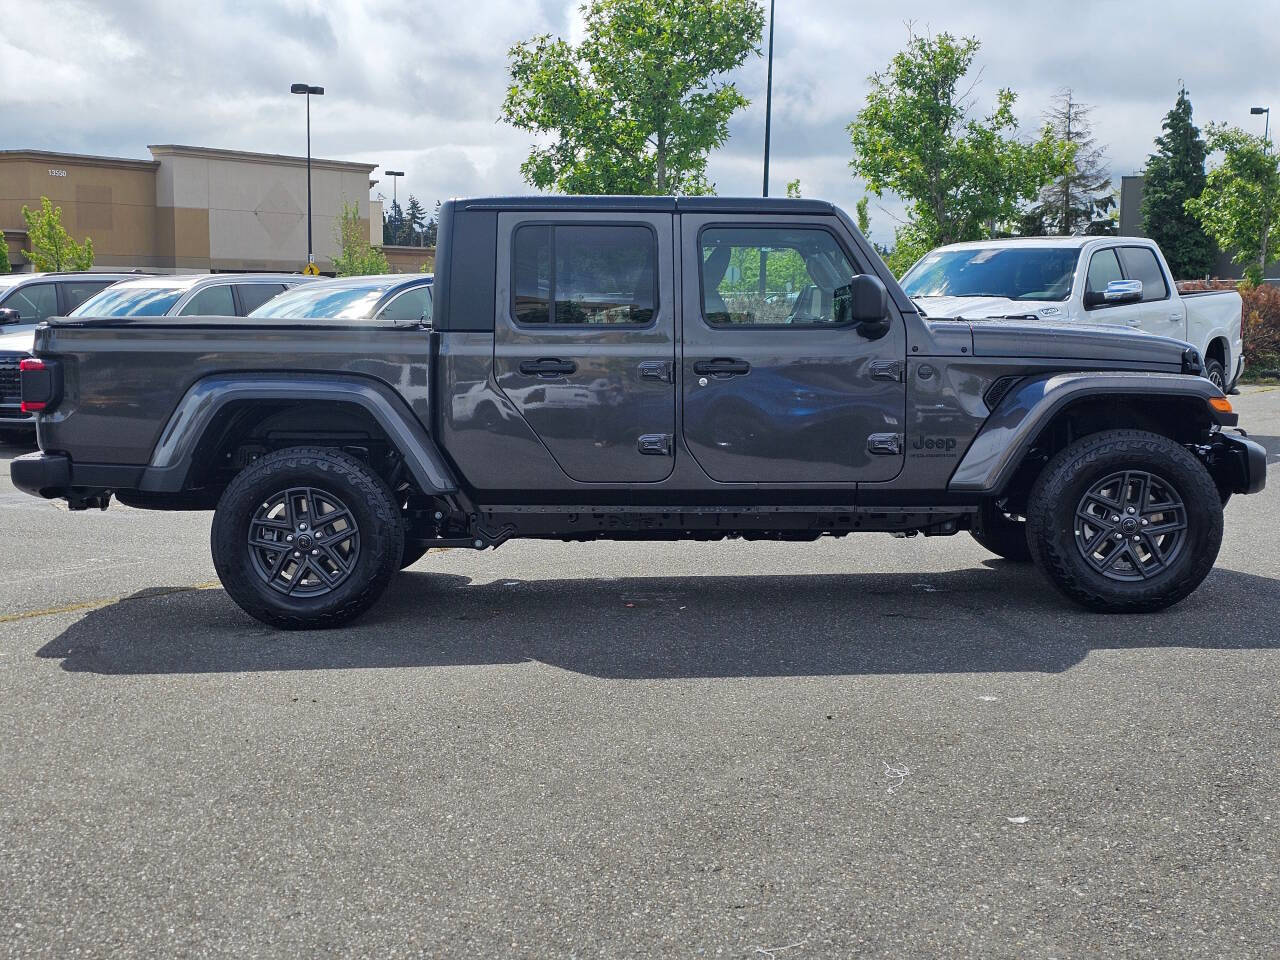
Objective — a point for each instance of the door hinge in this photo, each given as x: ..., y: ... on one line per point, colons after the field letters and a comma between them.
x: 886, y: 370
x: 655, y: 444
x: 884, y: 444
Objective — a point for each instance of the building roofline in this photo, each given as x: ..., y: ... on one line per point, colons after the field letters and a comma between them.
x: 172, y: 149
x: 86, y: 158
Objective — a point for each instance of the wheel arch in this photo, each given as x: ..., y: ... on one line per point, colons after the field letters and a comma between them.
x: 219, y: 411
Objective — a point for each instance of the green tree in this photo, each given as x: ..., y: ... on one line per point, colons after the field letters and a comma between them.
x: 1240, y: 204
x: 1079, y: 197
x: 793, y: 189
x: 864, y: 218
x: 5, y: 266
x: 638, y: 104
x: 1174, y: 175
x: 959, y: 175
x: 433, y: 227
x: 415, y: 221
x: 51, y: 247
x: 358, y: 258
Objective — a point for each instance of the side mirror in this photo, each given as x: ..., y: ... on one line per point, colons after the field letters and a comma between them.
x: 1118, y: 292
x: 864, y: 302
x: 9, y: 315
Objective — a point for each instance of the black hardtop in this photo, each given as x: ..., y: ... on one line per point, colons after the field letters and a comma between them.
x: 631, y: 204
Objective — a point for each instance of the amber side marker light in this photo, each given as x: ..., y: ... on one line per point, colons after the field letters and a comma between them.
x: 1221, y: 404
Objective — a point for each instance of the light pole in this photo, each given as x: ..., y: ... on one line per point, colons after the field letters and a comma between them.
x: 308, y: 91
x: 395, y: 176
x: 1266, y: 126
x: 768, y: 118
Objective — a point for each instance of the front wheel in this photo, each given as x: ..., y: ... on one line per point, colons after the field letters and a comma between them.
x: 307, y: 537
x: 1125, y: 521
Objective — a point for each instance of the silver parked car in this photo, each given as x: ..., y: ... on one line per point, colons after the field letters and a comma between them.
x: 196, y: 295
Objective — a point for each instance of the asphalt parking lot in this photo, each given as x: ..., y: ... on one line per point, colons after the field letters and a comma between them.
x: 857, y: 748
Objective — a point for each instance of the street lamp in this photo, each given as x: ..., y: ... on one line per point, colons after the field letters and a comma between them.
x: 395, y: 176
x: 1266, y: 127
x: 308, y: 91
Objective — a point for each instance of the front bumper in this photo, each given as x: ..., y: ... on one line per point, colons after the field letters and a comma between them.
x: 1238, y: 464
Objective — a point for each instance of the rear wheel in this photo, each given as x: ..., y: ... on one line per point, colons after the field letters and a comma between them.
x: 1000, y: 533
x: 307, y: 537
x: 1125, y: 522
x: 1216, y: 374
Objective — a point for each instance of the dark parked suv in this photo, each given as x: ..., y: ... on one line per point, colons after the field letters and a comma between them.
x: 642, y: 368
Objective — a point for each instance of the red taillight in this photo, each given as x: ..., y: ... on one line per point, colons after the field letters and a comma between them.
x: 40, y: 383
x: 30, y: 363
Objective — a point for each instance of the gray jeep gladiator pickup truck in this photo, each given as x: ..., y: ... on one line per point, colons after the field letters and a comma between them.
x: 635, y: 368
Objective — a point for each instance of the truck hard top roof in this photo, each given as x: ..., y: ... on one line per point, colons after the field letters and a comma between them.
x: 648, y: 204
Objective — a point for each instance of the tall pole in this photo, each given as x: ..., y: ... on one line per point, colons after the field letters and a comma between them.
x: 768, y: 120
x: 311, y: 257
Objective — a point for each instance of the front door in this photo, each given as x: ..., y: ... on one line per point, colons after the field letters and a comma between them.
x: 776, y: 389
x: 584, y: 340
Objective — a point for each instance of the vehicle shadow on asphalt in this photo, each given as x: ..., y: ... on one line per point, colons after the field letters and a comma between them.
x: 996, y: 617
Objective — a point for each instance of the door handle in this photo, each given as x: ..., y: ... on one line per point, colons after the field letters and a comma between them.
x: 1175, y: 317
x: 548, y: 367
x: 659, y: 370
x: 721, y: 367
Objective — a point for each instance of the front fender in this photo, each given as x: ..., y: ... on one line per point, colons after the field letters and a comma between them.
x: 1007, y: 436
x: 173, y: 454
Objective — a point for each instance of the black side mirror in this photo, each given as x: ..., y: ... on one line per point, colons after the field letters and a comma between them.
x: 864, y: 302
x: 9, y: 315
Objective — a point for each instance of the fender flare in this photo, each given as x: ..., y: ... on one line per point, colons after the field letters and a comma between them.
x: 173, y: 454
x: 1004, y: 440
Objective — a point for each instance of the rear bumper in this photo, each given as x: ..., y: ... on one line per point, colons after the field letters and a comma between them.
x: 52, y: 475
x: 1238, y: 464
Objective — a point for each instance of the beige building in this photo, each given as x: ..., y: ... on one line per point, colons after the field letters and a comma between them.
x: 188, y: 208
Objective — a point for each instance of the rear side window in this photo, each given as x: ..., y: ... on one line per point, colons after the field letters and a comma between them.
x: 579, y: 275
x: 412, y: 306
x: 1140, y: 263
x: 1103, y: 268
x: 34, y: 302
x: 211, y: 302
x: 77, y: 292
x: 254, y: 295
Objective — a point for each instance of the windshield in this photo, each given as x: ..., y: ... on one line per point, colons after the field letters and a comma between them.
x: 1015, y: 273
x: 317, y: 300
x: 123, y: 301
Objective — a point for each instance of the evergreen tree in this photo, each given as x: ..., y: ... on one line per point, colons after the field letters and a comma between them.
x: 1080, y: 195
x: 415, y: 222
x: 1174, y: 175
x: 433, y: 225
x: 392, y: 224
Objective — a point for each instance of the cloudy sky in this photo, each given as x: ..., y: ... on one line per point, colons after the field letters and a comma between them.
x: 416, y: 84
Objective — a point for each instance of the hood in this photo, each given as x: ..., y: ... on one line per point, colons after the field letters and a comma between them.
x: 19, y: 338
x: 1075, y: 341
x: 975, y: 308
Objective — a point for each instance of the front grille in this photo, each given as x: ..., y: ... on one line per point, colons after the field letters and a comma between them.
x: 10, y: 379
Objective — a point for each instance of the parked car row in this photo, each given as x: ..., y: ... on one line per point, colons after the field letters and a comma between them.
x: 26, y: 300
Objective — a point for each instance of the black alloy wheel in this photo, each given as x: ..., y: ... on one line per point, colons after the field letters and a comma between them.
x: 304, y: 542
x: 1131, y: 525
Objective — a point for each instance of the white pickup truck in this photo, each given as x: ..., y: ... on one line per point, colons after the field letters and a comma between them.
x: 1120, y: 280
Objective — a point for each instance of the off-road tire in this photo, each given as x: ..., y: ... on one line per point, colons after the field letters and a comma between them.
x: 1058, y: 492
x: 1216, y: 374
x: 366, y: 496
x: 1002, y: 536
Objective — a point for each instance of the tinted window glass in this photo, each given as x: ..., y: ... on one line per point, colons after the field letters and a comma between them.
x: 213, y: 301
x: 126, y: 301
x: 412, y: 306
x: 77, y: 292
x: 585, y: 274
x: 770, y: 276
x: 1014, y: 273
x: 1140, y: 263
x: 1103, y: 268
x: 254, y: 295
x: 34, y: 302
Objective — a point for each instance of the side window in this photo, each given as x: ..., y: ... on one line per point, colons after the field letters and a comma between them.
x: 34, y: 302
x: 584, y: 275
x: 254, y: 295
x: 1140, y: 263
x: 770, y: 276
x: 1103, y: 268
x: 77, y: 292
x: 213, y: 301
x: 412, y: 306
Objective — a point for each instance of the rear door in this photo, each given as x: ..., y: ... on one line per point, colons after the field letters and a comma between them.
x: 1159, y: 312
x: 775, y: 389
x: 584, y: 339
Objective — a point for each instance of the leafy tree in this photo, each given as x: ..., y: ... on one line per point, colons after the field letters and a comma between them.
x: 52, y: 248
x: 1174, y: 175
x: 864, y: 218
x: 637, y: 105
x: 793, y: 189
x: 5, y: 266
x: 1080, y: 195
x: 959, y: 175
x: 415, y: 222
x: 358, y: 258
x: 1240, y: 205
